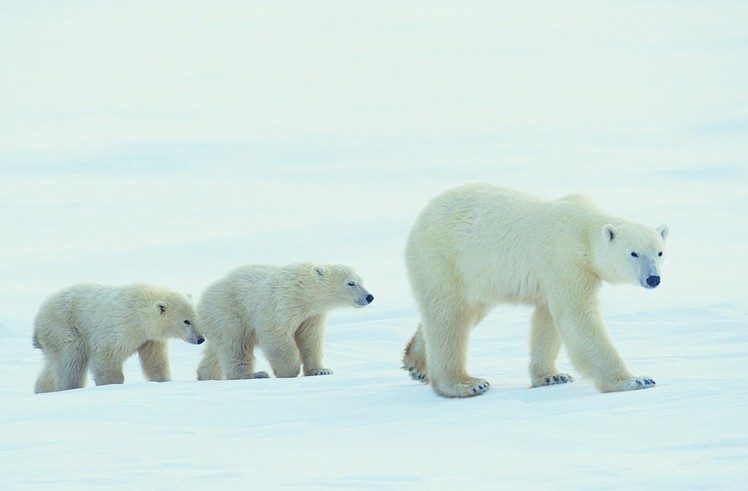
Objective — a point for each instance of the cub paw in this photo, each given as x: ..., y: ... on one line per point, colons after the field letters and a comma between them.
x: 469, y: 388
x: 559, y: 378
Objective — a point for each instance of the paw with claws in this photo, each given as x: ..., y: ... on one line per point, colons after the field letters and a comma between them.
x: 321, y: 371
x: 468, y: 388
x: 637, y: 384
x: 559, y: 378
x: 417, y: 375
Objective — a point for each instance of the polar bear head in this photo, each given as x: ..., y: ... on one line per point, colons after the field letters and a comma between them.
x: 631, y: 253
x: 343, y: 286
x: 177, y: 318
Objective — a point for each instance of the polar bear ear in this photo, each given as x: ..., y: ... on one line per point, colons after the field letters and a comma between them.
x: 319, y: 272
x: 663, y: 230
x: 161, y: 306
x: 609, y: 232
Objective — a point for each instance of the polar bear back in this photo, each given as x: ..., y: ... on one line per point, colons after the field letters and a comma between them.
x: 89, y: 306
x: 499, y: 245
x: 258, y: 295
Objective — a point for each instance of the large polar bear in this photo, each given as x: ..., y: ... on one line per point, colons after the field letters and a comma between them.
x: 479, y: 245
x: 105, y: 325
x: 281, y: 309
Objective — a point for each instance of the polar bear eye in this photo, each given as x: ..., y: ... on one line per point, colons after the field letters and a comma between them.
x: 351, y: 283
x: 633, y: 254
x: 660, y: 254
x: 188, y: 322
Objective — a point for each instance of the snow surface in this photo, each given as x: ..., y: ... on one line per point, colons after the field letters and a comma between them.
x: 170, y: 142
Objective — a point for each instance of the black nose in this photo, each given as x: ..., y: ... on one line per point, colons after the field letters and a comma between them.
x: 653, y: 281
x: 200, y: 340
x: 369, y: 298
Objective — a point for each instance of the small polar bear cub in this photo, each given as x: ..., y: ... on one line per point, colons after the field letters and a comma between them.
x: 281, y: 309
x: 102, y: 326
x: 479, y: 245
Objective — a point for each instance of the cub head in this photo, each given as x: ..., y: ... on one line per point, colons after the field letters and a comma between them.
x: 631, y: 253
x: 178, y: 318
x: 346, y: 287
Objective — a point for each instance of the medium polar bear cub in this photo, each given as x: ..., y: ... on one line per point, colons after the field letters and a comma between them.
x: 105, y: 325
x: 282, y: 309
x: 478, y: 245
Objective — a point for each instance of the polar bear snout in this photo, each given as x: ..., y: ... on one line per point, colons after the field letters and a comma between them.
x: 653, y: 281
x: 192, y: 335
x: 195, y: 339
x: 364, y: 301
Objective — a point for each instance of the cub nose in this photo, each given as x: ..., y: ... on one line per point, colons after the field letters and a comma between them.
x: 653, y: 281
x: 369, y: 298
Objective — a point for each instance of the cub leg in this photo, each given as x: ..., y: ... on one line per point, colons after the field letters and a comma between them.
x: 70, y: 365
x: 238, y: 359
x: 282, y: 354
x: 154, y: 359
x: 108, y: 367
x: 309, y: 339
x: 46, y: 380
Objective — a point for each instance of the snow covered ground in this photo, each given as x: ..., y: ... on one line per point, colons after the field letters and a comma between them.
x: 168, y: 143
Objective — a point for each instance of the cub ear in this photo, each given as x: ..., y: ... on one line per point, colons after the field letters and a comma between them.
x: 664, y: 230
x: 319, y: 272
x: 161, y: 306
x: 609, y: 232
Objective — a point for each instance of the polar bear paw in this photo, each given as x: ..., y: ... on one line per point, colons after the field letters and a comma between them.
x: 559, y: 378
x: 321, y: 371
x: 636, y: 384
x: 468, y: 388
x: 417, y: 375
x: 260, y: 375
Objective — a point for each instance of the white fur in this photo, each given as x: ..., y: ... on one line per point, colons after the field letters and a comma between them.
x: 281, y: 309
x: 479, y: 245
x: 105, y: 325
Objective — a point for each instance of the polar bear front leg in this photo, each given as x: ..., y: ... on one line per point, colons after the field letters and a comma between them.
x: 309, y: 339
x: 446, y: 331
x: 590, y: 348
x: 154, y: 360
x: 545, y: 344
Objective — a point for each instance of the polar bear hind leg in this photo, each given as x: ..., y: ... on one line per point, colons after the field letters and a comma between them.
x: 446, y: 331
x: 69, y: 365
x: 414, y: 358
x: 209, y: 367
